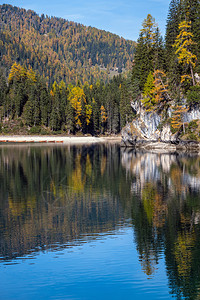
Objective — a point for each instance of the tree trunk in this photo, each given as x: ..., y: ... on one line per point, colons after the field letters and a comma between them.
x: 192, y: 73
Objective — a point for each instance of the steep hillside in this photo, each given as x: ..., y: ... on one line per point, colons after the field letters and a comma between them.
x: 60, y: 49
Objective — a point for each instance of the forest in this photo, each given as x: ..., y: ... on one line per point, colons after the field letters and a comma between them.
x: 59, y: 49
x: 37, y: 97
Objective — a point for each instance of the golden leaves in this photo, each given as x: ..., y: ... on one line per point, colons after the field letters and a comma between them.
x: 19, y: 73
x: 77, y: 97
x: 103, y: 115
x: 161, y: 86
x: 183, y: 45
x: 177, y: 115
x: 88, y: 113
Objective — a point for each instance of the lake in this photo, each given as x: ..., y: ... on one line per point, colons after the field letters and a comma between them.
x: 98, y: 222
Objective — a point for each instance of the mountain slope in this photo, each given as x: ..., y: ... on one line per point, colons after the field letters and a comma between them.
x: 60, y: 49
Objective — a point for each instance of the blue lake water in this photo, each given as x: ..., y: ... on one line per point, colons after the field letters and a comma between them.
x: 98, y: 222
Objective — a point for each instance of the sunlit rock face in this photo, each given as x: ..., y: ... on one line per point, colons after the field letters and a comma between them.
x: 166, y: 135
x: 146, y: 126
x: 193, y: 114
x: 146, y: 123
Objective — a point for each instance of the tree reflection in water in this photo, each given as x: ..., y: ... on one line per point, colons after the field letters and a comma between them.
x: 55, y: 196
x: 166, y: 215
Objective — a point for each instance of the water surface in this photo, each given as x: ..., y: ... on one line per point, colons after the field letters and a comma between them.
x: 98, y: 222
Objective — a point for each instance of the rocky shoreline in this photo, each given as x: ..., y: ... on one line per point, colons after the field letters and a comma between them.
x: 136, y: 142
x: 148, y: 131
x: 188, y: 146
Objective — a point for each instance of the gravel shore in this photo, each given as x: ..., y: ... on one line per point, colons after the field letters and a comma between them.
x: 57, y: 139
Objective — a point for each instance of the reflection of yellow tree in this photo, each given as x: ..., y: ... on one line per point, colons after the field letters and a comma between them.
x: 148, y: 196
x: 154, y: 206
x: 176, y: 177
x: 148, y: 262
x: 103, y: 164
x: 88, y: 166
x: 160, y: 211
x: 183, y: 252
x: 17, y: 208
x: 77, y: 181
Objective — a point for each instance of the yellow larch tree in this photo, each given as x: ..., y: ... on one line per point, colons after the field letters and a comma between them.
x: 160, y: 90
x: 103, y: 117
x: 19, y: 73
x: 148, y: 30
x: 103, y: 114
x: 183, y: 45
x: 88, y: 113
x: 177, y: 117
x: 77, y: 98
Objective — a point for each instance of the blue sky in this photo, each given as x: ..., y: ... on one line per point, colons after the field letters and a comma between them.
x: 123, y: 17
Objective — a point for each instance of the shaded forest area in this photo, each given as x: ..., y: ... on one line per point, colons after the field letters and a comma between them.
x: 27, y: 105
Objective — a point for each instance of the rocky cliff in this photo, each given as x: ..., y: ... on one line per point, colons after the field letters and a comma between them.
x: 148, y: 127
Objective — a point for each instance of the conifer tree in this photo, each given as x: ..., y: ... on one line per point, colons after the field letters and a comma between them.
x: 173, y: 20
x: 3, y: 89
x: 148, y: 94
x: 44, y: 103
x: 115, y: 119
x: 126, y: 112
x: 143, y: 62
x: 173, y: 68
x: 158, y: 52
x: 70, y: 120
x: 55, y: 116
x: 149, y: 52
x: 95, y: 116
x: 63, y: 100
x: 28, y: 112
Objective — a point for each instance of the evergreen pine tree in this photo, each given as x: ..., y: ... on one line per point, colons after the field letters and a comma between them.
x: 173, y: 20
x: 143, y: 62
x: 158, y: 52
x: 126, y: 112
x: 3, y: 92
x: 28, y: 112
x: 146, y: 55
x: 69, y: 113
x: 173, y: 68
